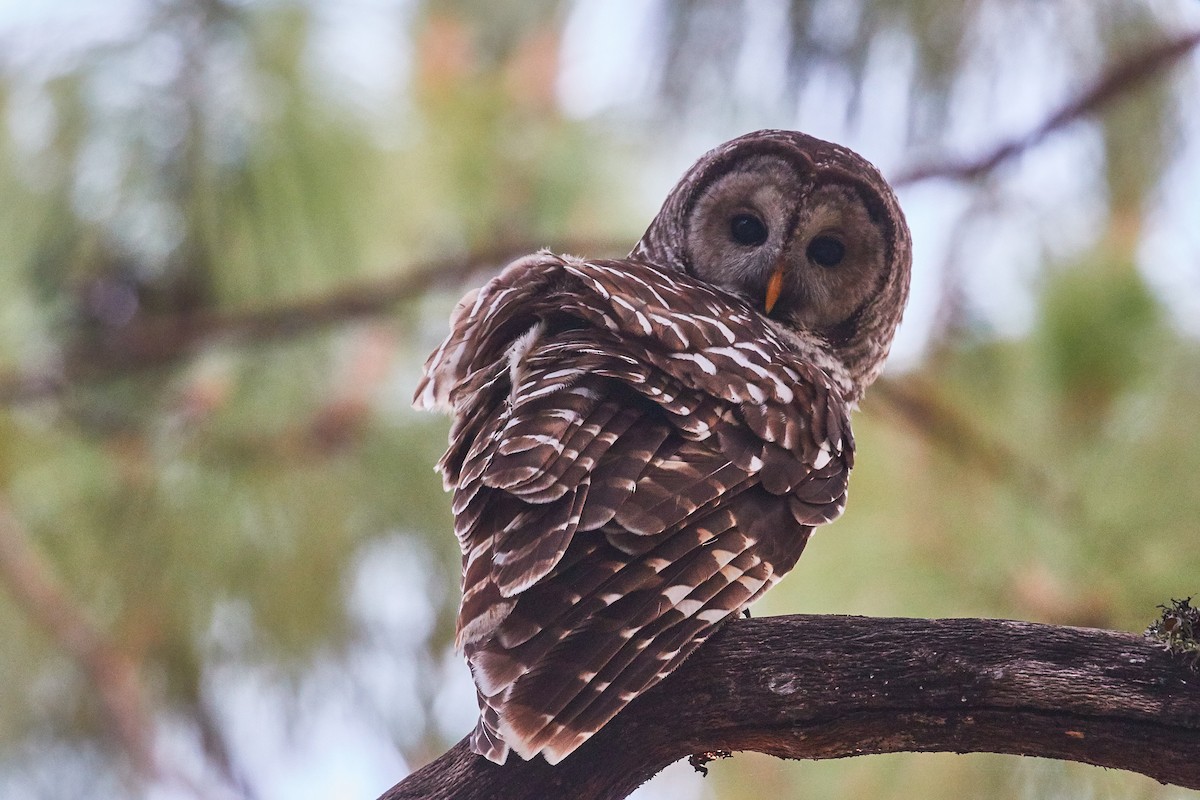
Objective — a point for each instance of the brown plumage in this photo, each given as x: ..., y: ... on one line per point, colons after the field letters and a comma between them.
x: 642, y: 447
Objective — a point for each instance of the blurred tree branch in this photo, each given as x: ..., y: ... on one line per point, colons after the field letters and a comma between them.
x: 923, y: 408
x: 149, y: 341
x: 153, y: 341
x: 31, y: 582
x: 1120, y: 79
x: 819, y: 687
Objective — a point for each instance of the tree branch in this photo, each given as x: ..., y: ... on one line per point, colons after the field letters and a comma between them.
x: 148, y: 342
x: 1116, y: 81
x: 829, y: 687
x: 917, y: 404
x: 33, y: 585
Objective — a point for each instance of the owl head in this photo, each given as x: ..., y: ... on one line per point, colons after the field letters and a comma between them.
x: 806, y: 232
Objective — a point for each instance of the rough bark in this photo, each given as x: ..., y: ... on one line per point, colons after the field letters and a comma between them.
x: 831, y: 686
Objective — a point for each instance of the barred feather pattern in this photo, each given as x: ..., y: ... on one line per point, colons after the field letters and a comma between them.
x: 635, y: 457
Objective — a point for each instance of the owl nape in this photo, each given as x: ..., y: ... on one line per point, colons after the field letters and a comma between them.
x: 641, y: 447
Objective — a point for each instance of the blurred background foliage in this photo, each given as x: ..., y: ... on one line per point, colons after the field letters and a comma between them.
x: 232, y: 229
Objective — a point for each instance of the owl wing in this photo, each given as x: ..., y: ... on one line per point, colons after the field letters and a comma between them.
x: 635, y: 457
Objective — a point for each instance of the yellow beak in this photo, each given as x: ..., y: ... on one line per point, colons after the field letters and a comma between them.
x: 775, y: 285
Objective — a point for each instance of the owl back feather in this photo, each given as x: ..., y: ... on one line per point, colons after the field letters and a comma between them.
x: 635, y: 457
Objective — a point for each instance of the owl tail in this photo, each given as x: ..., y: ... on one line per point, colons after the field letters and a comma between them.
x: 485, y: 739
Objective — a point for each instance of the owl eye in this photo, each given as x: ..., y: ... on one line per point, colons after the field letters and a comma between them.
x: 748, y: 230
x: 826, y: 251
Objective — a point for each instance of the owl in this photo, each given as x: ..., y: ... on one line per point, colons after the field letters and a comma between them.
x: 641, y: 447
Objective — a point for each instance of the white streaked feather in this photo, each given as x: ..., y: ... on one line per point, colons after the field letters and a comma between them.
x: 677, y: 593
x: 517, y: 352
x: 654, y: 292
x: 824, y: 456
x: 701, y: 361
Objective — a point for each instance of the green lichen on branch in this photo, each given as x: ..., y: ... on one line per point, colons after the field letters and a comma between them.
x: 1178, y: 628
